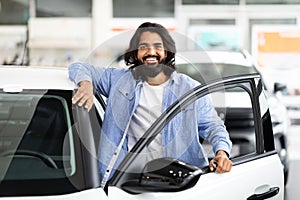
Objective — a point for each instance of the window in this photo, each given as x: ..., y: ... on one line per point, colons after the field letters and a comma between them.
x: 64, y: 8
x: 221, y: 34
x: 194, y: 22
x: 203, y: 2
x: 273, y: 2
x: 14, y: 12
x: 143, y: 8
x: 274, y: 21
x: 234, y: 107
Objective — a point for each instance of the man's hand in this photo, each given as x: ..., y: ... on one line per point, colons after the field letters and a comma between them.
x: 222, y: 162
x: 84, y: 95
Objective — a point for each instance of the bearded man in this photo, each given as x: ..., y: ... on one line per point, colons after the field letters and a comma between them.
x: 138, y: 95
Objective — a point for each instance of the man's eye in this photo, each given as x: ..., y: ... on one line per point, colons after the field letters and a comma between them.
x: 142, y: 46
x: 158, y: 46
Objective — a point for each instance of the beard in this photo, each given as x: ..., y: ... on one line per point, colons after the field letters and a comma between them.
x: 142, y: 70
x: 150, y: 70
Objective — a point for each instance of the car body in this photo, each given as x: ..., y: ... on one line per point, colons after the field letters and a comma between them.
x: 48, y: 147
x: 206, y: 66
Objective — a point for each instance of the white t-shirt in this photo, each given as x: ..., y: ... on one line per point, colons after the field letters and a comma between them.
x: 148, y: 110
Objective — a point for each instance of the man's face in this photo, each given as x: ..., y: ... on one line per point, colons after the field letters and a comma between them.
x: 151, y: 52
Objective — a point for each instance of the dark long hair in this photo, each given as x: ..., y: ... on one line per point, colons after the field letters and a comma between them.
x: 130, y: 55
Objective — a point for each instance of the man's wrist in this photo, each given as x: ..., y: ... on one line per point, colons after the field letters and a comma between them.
x: 85, y: 82
x: 222, y: 153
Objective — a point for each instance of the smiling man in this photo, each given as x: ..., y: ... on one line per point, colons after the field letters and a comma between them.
x: 139, y: 94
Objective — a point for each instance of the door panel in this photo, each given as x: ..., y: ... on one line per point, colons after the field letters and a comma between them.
x: 242, y: 182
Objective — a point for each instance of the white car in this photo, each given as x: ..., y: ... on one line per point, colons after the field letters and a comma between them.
x: 206, y: 66
x: 48, y: 146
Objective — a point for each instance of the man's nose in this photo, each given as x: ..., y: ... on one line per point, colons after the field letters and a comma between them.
x: 151, y: 50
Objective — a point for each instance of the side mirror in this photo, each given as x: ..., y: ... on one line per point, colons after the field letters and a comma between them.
x: 280, y: 87
x: 164, y: 175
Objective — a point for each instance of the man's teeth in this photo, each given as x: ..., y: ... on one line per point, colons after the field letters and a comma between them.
x: 151, y: 59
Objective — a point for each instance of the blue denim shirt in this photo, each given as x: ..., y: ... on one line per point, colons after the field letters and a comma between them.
x: 180, y: 137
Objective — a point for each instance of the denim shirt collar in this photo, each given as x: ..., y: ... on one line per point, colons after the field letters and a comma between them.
x: 174, y: 78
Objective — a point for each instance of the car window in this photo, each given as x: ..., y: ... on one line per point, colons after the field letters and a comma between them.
x: 234, y: 107
x: 36, y: 138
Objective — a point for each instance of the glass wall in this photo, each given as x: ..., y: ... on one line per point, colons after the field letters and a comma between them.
x: 232, y: 2
x: 272, y: 2
x: 275, y: 21
x: 14, y: 12
x: 64, y: 8
x: 143, y: 8
x: 191, y: 2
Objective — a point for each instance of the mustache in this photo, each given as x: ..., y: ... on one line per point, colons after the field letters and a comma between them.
x: 151, y: 56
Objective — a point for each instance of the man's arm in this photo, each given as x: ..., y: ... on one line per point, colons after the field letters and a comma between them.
x: 212, y: 129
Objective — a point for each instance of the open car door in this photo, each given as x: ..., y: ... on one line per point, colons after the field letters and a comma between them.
x: 256, y: 173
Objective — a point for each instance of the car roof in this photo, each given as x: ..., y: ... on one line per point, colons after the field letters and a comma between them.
x: 28, y: 77
x: 230, y: 57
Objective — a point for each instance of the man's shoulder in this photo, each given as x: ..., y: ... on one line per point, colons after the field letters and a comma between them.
x: 185, y: 79
x: 118, y: 74
x: 118, y: 71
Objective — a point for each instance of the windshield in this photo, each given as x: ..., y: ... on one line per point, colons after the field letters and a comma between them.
x: 36, y: 140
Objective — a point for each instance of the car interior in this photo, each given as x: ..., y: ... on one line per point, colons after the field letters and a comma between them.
x: 35, y: 137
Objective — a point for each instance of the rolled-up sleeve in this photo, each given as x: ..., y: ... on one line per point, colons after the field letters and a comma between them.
x: 80, y: 71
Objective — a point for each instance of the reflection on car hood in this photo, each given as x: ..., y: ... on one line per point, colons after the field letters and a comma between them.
x: 34, y: 78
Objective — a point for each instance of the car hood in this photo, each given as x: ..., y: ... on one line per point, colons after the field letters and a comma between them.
x: 15, y: 78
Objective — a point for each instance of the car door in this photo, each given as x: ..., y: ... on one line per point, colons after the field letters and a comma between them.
x: 256, y: 172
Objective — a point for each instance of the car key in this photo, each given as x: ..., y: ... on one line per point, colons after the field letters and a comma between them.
x: 215, y: 165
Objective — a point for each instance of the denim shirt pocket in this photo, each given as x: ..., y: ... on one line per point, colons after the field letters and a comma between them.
x: 126, y: 93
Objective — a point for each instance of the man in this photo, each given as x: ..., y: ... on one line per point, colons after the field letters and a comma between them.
x: 139, y: 94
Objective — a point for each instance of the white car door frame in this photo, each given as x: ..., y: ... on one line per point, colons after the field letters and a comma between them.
x: 255, y: 176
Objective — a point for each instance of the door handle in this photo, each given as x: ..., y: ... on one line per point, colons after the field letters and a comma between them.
x: 272, y: 192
